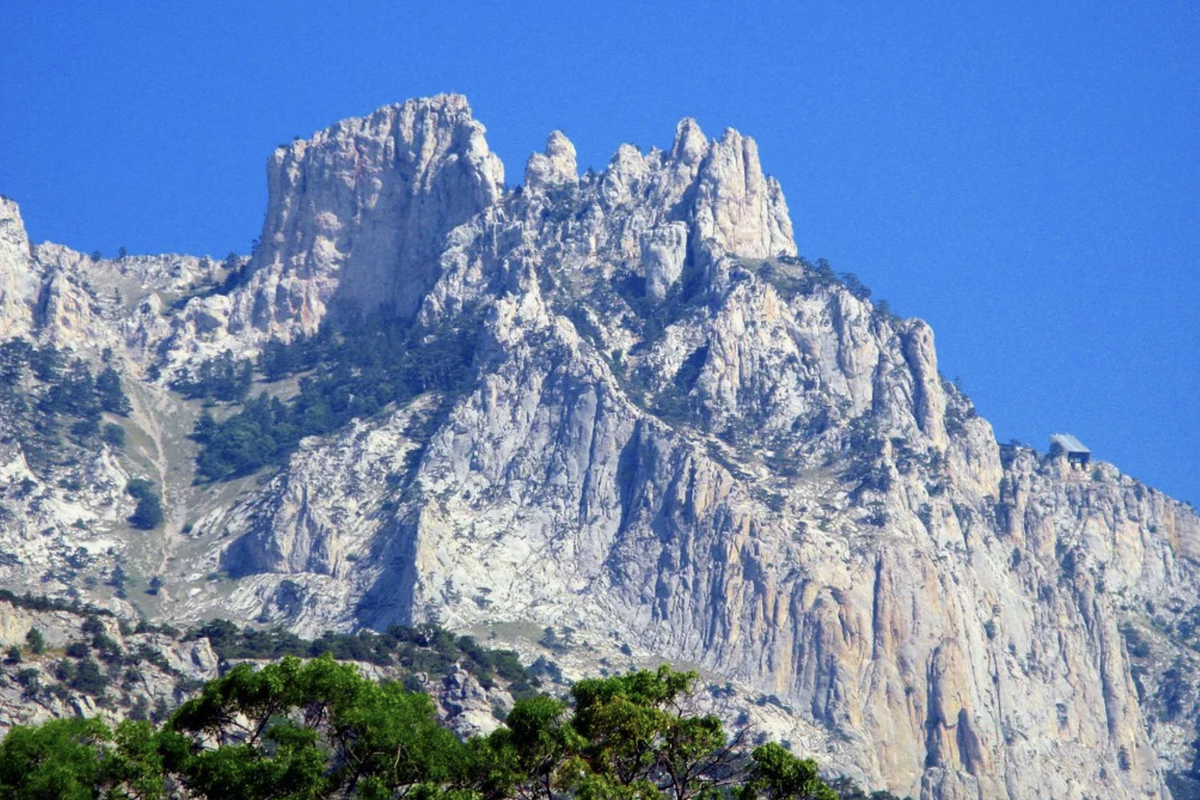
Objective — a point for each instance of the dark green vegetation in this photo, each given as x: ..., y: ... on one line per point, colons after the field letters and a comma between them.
x: 407, y: 651
x: 223, y: 378
x: 149, y: 511
x: 424, y: 648
x: 352, y: 368
x: 320, y: 730
x: 42, y: 395
x: 37, y: 602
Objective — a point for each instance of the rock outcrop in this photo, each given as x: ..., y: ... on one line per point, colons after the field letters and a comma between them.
x: 555, y: 167
x: 681, y: 442
x: 19, y: 282
x: 35, y: 689
x: 146, y: 672
x: 359, y: 213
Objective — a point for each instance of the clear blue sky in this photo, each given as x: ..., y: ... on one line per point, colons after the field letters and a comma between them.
x: 1025, y: 176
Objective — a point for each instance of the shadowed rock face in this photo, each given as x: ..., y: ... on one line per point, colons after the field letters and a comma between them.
x: 358, y: 213
x: 685, y: 444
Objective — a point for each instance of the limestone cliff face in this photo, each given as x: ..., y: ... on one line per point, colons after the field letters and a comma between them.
x: 19, y: 281
x: 358, y: 214
x: 682, y: 442
x: 54, y: 294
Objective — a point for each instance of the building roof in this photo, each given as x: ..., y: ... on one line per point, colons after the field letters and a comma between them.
x: 1068, y: 443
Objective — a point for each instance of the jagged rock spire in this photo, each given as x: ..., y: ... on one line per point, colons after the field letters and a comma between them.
x: 555, y: 167
x: 736, y: 204
x: 359, y: 212
x: 690, y: 145
x: 717, y: 187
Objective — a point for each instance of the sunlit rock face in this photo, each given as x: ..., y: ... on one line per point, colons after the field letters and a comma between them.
x: 679, y: 442
x: 359, y: 212
x: 19, y: 278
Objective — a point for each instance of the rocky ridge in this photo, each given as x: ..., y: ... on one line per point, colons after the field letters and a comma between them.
x: 681, y: 442
x: 143, y: 672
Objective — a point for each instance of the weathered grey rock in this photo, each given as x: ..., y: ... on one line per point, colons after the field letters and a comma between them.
x: 153, y: 682
x: 555, y: 167
x: 743, y: 467
x: 19, y: 280
x: 736, y: 204
x: 664, y: 251
x: 154, y: 664
x: 359, y: 213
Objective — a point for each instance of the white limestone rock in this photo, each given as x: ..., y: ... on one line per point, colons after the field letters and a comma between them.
x: 739, y: 206
x: 743, y: 467
x: 359, y: 213
x: 20, y: 280
x: 555, y: 167
x: 664, y: 251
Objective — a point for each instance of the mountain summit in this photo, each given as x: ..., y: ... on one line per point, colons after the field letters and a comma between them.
x: 608, y: 419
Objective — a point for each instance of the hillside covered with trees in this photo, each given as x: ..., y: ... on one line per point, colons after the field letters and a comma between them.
x: 319, y: 729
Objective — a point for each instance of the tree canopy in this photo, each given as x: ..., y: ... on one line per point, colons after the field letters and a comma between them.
x: 308, y: 730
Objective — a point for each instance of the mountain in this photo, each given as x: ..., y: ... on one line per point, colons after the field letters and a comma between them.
x: 609, y: 419
x: 81, y: 661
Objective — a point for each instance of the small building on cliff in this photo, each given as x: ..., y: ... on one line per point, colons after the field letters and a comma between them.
x: 1067, y: 446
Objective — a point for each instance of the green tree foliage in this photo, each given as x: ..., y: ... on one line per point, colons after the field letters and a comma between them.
x: 223, y: 378
x: 89, y: 678
x: 41, y: 394
x: 236, y: 273
x: 112, y: 396
x: 640, y: 742
x: 118, y: 580
x: 86, y: 428
x: 319, y: 729
x: 30, y: 680
x: 113, y: 435
x: 35, y: 641
x: 422, y: 648
x: 80, y: 759
x: 149, y: 511
x: 855, y: 286
x: 35, y: 602
x: 72, y: 391
x: 779, y: 775
x: 353, y: 370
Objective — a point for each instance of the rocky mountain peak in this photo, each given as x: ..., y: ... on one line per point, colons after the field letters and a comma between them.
x: 12, y: 226
x: 690, y: 145
x: 554, y: 167
x: 716, y: 187
x: 738, y: 205
x: 625, y: 425
x: 358, y: 215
